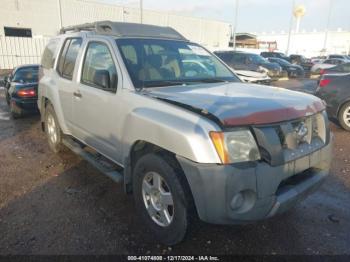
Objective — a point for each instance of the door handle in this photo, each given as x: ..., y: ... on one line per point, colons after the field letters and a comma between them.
x: 77, y: 94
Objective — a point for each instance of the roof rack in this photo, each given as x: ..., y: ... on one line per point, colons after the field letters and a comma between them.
x: 121, y: 29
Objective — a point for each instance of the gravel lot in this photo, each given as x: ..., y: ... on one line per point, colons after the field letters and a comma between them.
x: 59, y: 204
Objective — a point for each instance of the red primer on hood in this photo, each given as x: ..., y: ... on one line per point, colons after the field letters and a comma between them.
x: 274, y: 116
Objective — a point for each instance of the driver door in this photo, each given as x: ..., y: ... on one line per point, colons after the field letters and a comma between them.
x: 95, y: 100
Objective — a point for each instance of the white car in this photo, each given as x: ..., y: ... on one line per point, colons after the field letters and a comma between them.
x: 253, y: 77
x: 328, y: 63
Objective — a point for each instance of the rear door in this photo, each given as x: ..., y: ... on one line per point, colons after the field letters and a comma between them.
x: 96, y: 104
x: 64, y: 76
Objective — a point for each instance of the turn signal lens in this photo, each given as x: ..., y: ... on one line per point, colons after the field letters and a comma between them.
x: 218, y: 139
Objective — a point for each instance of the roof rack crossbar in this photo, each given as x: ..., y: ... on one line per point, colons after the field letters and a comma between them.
x: 126, y: 29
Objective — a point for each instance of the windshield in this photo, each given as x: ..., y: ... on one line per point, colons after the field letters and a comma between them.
x: 256, y: 59
x: 280, y: 61
x: 153, y: 62
x: 26, y: 75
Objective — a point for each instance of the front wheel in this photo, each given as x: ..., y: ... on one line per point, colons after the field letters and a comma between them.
x: 161, y: 199
x: 53, y: 130
x: 344, y: 116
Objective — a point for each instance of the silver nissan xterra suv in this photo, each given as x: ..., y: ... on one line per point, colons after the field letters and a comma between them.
x: 177, y: 127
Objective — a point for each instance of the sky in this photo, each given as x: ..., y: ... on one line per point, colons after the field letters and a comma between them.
x: 256, y: 15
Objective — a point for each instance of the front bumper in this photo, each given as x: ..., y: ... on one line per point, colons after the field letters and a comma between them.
x: 247, y: 192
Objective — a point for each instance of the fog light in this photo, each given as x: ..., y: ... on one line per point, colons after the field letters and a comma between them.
x: 237, y: 201
x: 243, y: 201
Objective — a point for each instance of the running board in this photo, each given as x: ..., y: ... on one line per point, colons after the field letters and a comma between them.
x: 97, y: 160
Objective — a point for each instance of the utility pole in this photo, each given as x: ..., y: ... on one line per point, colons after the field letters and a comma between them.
x: 235, y: 25
x: 141, y: 11
x: 60, y: 13
x: 290, y: 27
x: 327, y: 27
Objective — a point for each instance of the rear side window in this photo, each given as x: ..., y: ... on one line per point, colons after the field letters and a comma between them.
x: 99, y: 69
x: 68, y: 57
x: 48, y: 58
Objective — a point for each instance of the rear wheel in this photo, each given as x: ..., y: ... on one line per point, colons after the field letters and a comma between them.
x: 344, y: 116
x: 53, y: 130
x: 161, y: 199
x: 7, y: 97
x: 15, y: 112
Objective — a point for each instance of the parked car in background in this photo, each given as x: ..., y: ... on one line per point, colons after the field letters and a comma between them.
x: 301, y: 60
x: 343, y: 68
x: 334, y: 89
x: 21, y: 89
x: 344, y: 57
x: 292, y: 70
x: 187, y: 144
x: 328, y: 63
x: 242, y: 61
x: 275, y: 54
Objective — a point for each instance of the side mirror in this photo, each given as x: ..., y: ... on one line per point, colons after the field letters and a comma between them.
x: 102, y: 79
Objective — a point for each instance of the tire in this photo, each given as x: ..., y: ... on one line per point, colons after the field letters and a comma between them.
x: 53, y: 130
x: 344, y: 116
x: 7, y: 97
x: 15, y: 113
x: 146, y: 170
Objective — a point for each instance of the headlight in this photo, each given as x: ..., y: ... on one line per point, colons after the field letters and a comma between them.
x: 262, y: 69
x: 236, y: 146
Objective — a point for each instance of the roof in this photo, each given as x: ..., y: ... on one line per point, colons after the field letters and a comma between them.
x: 121, y: 29
x: 26, y: 65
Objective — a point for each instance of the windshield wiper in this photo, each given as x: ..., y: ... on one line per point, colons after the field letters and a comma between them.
x: 164, y: 83
x: 209, y: 80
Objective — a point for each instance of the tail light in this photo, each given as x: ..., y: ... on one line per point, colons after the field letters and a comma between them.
x: 26, y: 93
x: 322, y: 72
x: 324, y: 82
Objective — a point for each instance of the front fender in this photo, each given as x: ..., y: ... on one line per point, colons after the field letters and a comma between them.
x: 180, y: 132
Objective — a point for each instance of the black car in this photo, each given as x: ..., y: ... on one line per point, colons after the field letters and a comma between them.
x: 275, y: 54
x: 292, y: 70
x: 251, y: 62
x: 302, y: 61
x: 335, y: 91
x: 342, y: 68
x: 21, y: 89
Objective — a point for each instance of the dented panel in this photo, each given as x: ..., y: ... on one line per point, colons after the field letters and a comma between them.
x: 237, y: 104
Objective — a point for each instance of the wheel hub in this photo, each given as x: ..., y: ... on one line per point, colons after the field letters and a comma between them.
x: 158, y: 199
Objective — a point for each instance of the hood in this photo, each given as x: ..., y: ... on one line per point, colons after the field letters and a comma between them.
x: 237, y: 104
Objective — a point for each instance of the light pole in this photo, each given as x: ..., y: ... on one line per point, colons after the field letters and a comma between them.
x: 327, y: 27
x: 60, y: 13
x: 235, y: 25
x: 290, y: 27
x: 141, y: 11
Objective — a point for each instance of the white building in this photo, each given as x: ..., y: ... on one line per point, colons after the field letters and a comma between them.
x: 311, y: 43
x: 46, y: 17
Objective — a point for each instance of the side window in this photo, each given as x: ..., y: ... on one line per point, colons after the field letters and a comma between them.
x: 99, y: 69
x: 48, y: 58
x: 68, y: 57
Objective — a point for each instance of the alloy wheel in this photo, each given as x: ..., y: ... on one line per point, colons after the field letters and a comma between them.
x: 158, y: 199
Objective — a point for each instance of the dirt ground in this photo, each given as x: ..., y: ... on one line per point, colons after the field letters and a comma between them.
x: 59, y: 204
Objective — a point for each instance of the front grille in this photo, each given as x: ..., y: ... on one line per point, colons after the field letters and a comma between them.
x: 287, y: 141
